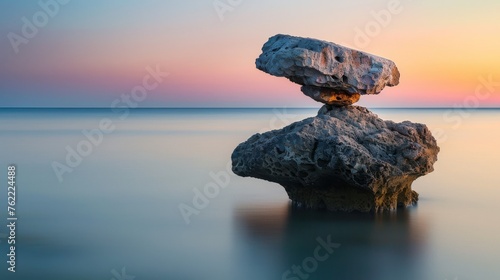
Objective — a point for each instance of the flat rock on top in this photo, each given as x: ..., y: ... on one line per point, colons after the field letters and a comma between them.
x: 322, y: 64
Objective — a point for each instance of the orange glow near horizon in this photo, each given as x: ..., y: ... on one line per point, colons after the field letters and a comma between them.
x: 441, y: 51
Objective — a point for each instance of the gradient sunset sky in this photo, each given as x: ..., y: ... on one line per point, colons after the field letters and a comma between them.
x: 92, y: 51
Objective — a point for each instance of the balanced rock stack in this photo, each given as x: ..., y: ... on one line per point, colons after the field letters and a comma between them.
x: 346, y: 158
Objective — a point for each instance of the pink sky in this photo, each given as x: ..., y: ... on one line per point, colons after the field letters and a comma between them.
x: 441, y: 49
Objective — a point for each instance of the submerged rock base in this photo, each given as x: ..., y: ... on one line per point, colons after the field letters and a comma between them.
x: 342, y: 197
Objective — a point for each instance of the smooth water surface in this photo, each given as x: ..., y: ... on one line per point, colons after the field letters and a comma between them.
x: 116, y: 212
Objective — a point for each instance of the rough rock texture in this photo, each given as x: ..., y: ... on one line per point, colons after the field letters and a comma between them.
x: 343, y: 159
x: 322, y: 64
x: 329, y: 96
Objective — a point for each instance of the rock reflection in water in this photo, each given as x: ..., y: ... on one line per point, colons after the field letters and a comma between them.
x: 372, y: 246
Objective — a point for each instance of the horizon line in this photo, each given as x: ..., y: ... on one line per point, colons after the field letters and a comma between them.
x: 218, y: 108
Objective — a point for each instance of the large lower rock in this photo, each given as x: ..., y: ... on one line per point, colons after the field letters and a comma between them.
x: 322, y: 64
x: 343, y: 159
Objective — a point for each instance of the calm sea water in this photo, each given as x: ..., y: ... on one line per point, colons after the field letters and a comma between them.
x: 115, y: 214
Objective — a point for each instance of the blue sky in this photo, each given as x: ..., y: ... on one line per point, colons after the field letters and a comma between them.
x: 92, y: 52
